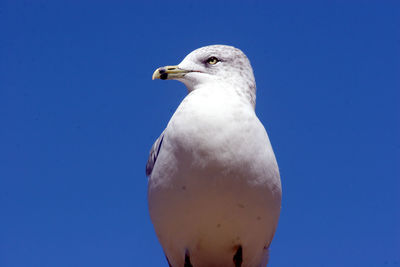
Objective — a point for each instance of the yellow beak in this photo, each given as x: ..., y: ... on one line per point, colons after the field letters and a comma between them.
x: 169, y: 73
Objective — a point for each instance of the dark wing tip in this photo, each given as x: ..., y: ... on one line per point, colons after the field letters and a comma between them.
x: 154, y: 151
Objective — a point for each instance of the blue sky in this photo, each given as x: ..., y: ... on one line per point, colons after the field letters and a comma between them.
x: 79, y: 113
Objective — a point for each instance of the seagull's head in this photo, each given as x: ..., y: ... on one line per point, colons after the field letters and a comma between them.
x: 214, y: 63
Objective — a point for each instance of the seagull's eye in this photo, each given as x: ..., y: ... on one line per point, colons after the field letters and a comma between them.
x: 212, y: 60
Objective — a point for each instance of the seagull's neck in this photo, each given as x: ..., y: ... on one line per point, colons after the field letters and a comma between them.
x: 243, y: 89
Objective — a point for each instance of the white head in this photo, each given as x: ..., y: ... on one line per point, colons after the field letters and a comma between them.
x: 214, y: 63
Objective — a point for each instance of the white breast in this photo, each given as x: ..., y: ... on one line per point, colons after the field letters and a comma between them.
x: 215, y: 185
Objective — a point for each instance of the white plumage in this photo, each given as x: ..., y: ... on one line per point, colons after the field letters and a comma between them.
x: 214, y: 188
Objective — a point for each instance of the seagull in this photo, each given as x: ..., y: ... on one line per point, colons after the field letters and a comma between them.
x: 214, y: 189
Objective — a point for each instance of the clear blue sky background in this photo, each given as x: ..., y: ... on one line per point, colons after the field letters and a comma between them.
x: 79, y: 113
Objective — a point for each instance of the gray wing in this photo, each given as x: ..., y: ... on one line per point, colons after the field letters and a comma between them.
x: 154, y: 151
